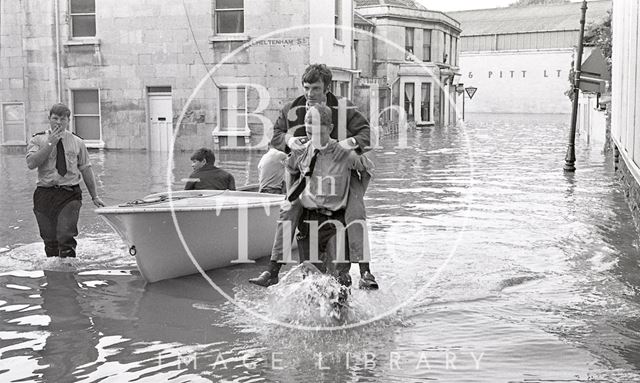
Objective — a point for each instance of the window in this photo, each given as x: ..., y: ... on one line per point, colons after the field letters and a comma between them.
x: 356, y: 45
x: 454, y: 54
x: 338, y: 19
x: 426, y: 44
x: 451, y: 50
x: 344, y: 89
x: 340, y: 88
x: 445, y: 47
x: 13, y: 126
x: 233, y: 109
x: 425, y: 102
x: 409, y: 100
x: 83, y: 18
x: 86, y: 114
x: 408, y: 40
x: 229, y: 16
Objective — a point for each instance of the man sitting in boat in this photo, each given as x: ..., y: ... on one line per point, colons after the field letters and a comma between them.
x: 288, y: 134
x: 322, y: 169
x: 271, y: 171
x: 207, y: 176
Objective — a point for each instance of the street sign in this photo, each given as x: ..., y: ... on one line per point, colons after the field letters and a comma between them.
x: 594, y: 73
x: 470, y: 91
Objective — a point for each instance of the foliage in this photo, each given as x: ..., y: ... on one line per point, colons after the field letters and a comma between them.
x: 600, y: 35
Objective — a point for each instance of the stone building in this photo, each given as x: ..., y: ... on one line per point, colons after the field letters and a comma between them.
x: 413, y: 63
x: 519, y: 58
x: 132, y: 72
x: 165, y: 74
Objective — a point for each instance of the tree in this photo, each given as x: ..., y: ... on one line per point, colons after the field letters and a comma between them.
x: 599, y: 34
x: 524, y: 3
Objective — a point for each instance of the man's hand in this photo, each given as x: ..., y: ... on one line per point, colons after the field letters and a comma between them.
x: 97, y: 201
x: 55, y: 135
x: 296, y: 143
x: 349, y: 143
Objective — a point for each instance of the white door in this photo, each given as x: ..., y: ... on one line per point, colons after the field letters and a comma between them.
x: 160, y: 123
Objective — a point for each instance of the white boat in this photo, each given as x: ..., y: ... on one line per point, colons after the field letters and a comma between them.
x: 218, y: 228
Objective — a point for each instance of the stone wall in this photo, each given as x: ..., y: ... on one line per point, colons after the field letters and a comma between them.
x: 629, y: 185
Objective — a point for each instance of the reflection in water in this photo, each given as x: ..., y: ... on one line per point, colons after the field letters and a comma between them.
x: 543, y: 283
x: 72, y: 339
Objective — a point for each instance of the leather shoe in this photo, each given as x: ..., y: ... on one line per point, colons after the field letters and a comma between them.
x: 368, y: 281
x: 265, y: 279
x: 344, y: 279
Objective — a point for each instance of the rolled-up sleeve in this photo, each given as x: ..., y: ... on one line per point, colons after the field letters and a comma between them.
x: 33, y: 146
x: 83, y: 157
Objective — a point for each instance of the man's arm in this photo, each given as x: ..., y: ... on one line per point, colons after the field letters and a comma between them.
x: 231, y: 183
x: 38, y: 152
x: 90, y: 181
x: 358, y: 128
x: 279, y: 139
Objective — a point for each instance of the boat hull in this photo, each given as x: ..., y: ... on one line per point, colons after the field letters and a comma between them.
x: 196, y: 230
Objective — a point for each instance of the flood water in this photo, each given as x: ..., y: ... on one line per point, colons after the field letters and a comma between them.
x: 494, y: 266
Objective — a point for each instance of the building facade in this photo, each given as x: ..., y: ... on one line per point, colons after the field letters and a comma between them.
x: 519, y: 58
x: 625, y: 99
x: 136, y: 74
x: 413, y: 65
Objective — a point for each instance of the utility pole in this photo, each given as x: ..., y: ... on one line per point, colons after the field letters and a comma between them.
x: 570, y: 158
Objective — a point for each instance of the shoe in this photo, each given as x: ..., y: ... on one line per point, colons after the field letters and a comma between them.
x: 265, y: 279
x: 368, y: 281
x: 344, y: 279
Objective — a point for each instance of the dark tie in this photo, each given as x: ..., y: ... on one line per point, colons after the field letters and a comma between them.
x: 61, y: 162
x: 302, y: 181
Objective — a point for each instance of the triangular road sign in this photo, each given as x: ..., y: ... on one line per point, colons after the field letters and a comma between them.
x: 470, y: 91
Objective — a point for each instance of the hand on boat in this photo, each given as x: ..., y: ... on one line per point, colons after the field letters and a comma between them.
x: 97, y: 201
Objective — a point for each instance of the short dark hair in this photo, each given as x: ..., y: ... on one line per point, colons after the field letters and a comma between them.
x: 60, y: 109
x: 315, y: 72
x: 204, y: 154
x: 318, y: 110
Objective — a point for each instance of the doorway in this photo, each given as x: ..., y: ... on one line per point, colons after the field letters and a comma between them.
x: 160, y: 119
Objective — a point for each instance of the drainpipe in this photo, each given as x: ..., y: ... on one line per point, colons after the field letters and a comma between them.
x: 58, y: 69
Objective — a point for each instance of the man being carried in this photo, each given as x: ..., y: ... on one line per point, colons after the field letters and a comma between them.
x: 322, y: 168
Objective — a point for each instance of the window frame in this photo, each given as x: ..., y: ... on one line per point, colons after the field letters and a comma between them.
x: 225, y: 128
x: 3, y: 125
x: 426, y: 47
x: 216, y: 23
x: 91, y: 143
x: 71, y: 18
x: 412, y: 40
x: 337, y: 20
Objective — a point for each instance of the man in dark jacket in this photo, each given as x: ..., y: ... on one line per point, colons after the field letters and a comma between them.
x: 207, y: 176
x: 352, y: 130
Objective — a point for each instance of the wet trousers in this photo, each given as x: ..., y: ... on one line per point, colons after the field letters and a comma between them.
x: 57, y: 210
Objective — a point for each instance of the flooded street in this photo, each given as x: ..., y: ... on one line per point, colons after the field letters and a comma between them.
x: 494, y: 266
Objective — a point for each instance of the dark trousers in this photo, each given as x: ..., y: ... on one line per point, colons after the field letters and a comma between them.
x: 320, y: 230
x: 57, y: 210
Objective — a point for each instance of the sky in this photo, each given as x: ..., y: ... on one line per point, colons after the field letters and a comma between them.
x: 460, y: 5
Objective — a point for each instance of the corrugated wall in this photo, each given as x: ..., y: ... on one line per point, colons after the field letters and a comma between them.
x: 625, y: 89
x: 519, y: 41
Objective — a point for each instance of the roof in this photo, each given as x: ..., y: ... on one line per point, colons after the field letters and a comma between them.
x: 533, y: 18
x: 358, y: 19
x: 411, y: 4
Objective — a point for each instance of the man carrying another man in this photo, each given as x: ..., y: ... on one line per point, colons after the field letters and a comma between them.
x: 289, y: 131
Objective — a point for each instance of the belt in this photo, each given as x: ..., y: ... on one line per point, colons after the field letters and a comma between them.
x: 326, y: 212
x: 62, y: 187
